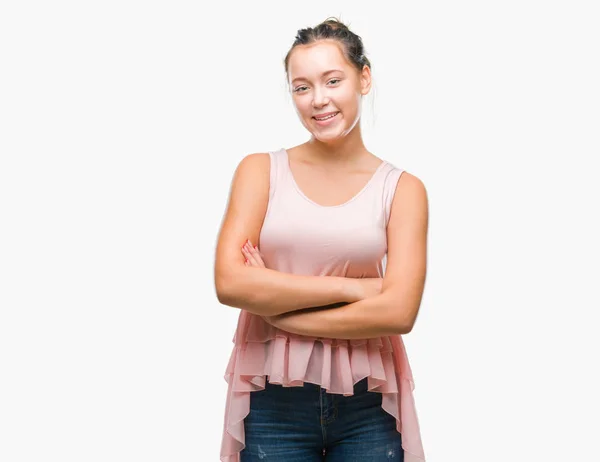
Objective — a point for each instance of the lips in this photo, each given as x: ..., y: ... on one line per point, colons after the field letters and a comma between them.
x: 320, y: 116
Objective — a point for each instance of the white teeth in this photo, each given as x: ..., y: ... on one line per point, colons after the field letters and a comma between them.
x: 328, y: 117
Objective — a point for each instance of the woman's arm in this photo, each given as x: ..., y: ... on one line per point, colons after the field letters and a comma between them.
x: 369, y: 318
x: 265, y: 291
x: 395, y: 309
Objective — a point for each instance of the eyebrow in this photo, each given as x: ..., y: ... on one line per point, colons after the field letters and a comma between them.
x: 323, y: 74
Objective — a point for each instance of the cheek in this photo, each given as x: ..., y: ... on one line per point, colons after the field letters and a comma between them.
x: 302, y: 106
x: 307, y: 109
x: 350, y: 100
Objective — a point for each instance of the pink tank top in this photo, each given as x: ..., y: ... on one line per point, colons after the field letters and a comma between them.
x: 300, y: 236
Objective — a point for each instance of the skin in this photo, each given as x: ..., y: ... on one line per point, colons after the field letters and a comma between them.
x: 330, y: 168
x: 337, y: 145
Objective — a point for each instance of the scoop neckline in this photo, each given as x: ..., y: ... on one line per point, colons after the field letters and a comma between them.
x: 364, y: 188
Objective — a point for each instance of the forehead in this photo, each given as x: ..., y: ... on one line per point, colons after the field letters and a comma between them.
x: 312, y: 59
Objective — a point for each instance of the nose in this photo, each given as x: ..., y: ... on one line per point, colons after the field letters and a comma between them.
x: 320, y: 98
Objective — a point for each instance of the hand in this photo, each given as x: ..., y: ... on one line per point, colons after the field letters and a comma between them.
x: 252, y: 255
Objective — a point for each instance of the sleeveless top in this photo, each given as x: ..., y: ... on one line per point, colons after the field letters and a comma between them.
x: 300, y: 236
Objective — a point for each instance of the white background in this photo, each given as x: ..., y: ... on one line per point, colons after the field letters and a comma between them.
x: 121, y: 124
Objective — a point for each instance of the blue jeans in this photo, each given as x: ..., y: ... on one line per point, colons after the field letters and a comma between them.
x: 306, y: 424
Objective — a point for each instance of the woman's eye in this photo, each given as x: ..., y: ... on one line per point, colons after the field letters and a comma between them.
x: 302, y: 87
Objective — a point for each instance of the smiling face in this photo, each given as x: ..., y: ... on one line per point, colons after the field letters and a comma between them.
x: 322, y: 81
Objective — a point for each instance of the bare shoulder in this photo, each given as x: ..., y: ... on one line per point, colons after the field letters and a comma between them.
x: 409, y: 182
x: 250, y: 184
x: 256, y: 158
x: 410, y: 191
x: 410, y: 204
x: 251, y: 176
x: 255, y: 163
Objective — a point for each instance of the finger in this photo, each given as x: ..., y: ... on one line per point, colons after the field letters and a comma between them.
x: 256, y: 254
x: 248, y: 246
x: 252, y: 254
x: 250, y: 257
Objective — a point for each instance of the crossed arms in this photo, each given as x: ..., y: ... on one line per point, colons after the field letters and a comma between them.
x: 323, y: 306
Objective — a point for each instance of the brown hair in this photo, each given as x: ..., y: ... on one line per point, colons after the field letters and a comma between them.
x: 334, y: 29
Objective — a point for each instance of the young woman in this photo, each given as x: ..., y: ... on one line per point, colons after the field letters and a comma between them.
x: 323, y: 247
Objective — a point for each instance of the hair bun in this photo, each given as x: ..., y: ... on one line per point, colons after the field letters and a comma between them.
x: 334, y: 23
x: 333, y: 29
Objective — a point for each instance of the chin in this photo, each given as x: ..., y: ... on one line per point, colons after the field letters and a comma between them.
x: 327, y: 138
x: 326, y: 132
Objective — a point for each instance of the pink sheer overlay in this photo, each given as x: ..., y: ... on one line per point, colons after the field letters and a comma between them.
x: 288, y: 359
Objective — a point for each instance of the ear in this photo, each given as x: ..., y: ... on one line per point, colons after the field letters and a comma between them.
x: 365, y: 80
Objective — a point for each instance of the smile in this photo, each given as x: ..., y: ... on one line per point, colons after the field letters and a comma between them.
x: 326, y: 119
